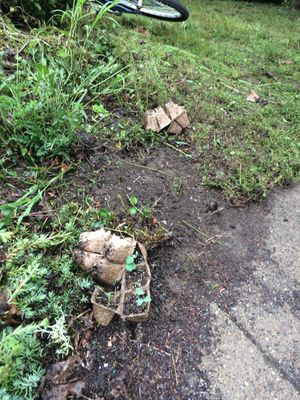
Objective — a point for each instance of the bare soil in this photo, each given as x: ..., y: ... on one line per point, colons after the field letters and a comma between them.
x: 203, y: 263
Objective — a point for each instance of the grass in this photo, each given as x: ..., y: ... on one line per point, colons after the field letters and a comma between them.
x: 209, y: 64
x: 59, y: 85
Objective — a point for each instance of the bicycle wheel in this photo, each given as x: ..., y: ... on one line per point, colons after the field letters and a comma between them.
x: 167, y: 10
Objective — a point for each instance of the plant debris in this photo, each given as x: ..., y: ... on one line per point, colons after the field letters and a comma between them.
x: 171, y: 115
x: 58, y: 384
x: 255, y: 98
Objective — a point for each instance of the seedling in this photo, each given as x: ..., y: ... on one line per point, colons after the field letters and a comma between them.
x: 140, y: 297
x: 145, y: 212
x: 133, y: 201
x: 109, y: 296
x: 130, y: 262
x: 139, y: 291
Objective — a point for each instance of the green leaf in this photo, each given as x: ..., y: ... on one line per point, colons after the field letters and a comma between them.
x: 63, y: 53
x: 5, y: 236
x: 133, y: 211
x: 130, y: 262
x: 139, y: 292
x: 42, y: 69
x: 133, y: 200
x: 147, y: 299
x: 140, y: 302
x: 99, y: 109
x: 130, y: 267
x: 131, y: 259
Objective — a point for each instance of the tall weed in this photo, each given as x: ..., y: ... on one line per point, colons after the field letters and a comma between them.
x: 44, y: 102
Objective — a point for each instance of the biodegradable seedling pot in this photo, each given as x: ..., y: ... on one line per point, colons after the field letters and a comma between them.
x: 108, y: 272
x: 118, y: 249
x: 101, y: 269
x: 105, y: 306
x: 94, y: 242
x: 131, y: 310
x: 139, y: 277
x: 87, y: 261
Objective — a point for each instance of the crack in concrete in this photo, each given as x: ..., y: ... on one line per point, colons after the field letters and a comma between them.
x: 269, y: 359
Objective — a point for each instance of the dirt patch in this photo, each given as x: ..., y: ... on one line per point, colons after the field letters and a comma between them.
x: 202, y: 263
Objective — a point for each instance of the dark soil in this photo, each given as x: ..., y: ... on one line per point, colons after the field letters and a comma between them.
x: 137, y: 277
x: 202, y: 264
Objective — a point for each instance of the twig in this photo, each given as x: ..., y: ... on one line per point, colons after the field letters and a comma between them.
x: 208, y: 239
x: 122, y: 202
x: 148, y: 168
x: 120, y: 231
x: 218, y: 210
x: 175, y: 372
x: 195, y: 229
x: 179, y: 151
x: 216, y: 241
x: 155, y: 348
x: 83, y: 396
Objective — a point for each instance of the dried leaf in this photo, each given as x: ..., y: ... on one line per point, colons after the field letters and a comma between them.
x: 60, y: 371
x: 62, y: 392
x: 142, y: 30
x: 56, y: 381
x: 253, y: 97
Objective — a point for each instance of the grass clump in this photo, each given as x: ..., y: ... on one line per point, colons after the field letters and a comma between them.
x: 54, y: 86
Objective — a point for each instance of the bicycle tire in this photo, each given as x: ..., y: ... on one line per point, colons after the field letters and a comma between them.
x: 179, y: 13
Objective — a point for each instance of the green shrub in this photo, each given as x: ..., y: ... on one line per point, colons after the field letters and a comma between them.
x: 20, y: 362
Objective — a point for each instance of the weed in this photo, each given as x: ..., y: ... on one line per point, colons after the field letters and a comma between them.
x: 26, y: 203
x: 144, y: 212
x: 177, y: 186
x: 44, y: 100
x: 58, y: 336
